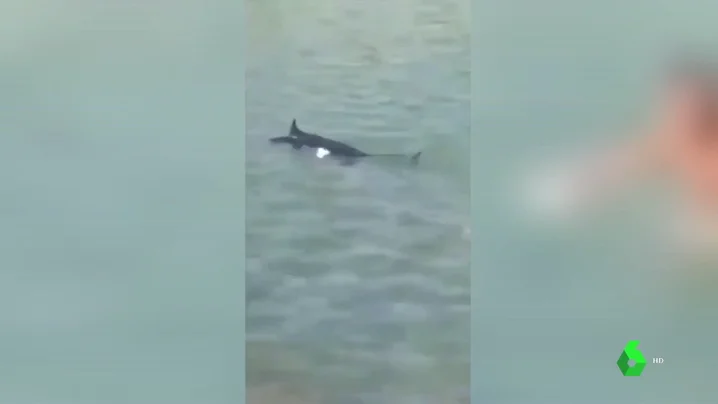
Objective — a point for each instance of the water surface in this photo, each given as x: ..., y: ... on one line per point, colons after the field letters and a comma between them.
x: 357, y: 277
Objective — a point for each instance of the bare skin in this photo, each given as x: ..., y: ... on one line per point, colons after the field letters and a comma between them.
x: 690, y: 144
x: 681, y: 143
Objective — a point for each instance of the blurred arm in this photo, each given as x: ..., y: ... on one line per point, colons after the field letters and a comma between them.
x: 622, y: 167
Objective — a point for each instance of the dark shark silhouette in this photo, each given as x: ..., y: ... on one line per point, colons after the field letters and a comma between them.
x: 348, y: 155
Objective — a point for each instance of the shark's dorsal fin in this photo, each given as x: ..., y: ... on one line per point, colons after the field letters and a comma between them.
x: 294, y: 129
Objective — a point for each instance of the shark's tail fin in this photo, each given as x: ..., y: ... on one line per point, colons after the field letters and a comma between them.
x: 415, y: 158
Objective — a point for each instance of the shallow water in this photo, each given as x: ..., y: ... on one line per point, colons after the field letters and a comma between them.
x: 120, y: 238
x: 357, y: 277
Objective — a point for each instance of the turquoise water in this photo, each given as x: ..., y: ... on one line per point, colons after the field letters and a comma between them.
x: 357, y: 277
x: 554, y: 306
x: 120, y: 225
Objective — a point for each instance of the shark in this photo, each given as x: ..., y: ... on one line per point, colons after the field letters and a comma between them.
x: 346, y: 154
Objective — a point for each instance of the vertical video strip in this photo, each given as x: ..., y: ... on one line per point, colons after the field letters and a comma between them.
x: 121, y: 244
x: 594, y: 202
x: 357, y: 164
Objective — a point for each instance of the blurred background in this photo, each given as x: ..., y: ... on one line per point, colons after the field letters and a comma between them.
x: 358, y: 277
x: 121, y: 243
x: 554, y: 305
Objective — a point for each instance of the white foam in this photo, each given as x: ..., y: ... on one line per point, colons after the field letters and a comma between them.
x: 553, y: 193
x: 322, y: 152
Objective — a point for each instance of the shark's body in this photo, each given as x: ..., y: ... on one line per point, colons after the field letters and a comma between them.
x: 348, y: 155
